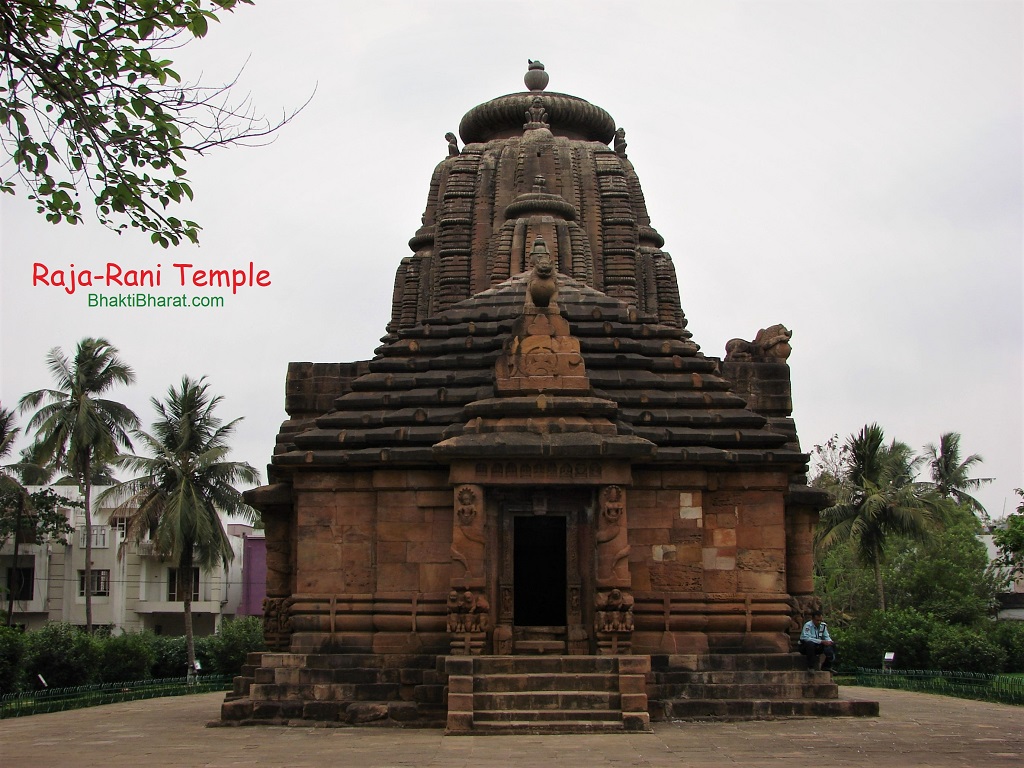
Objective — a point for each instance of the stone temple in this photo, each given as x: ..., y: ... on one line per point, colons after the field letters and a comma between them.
x: 539, y: 506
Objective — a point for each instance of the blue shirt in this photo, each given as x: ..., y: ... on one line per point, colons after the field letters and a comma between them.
x: 815, y: 634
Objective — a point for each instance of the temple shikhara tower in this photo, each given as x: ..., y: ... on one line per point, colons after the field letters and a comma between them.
x: 539, y: 506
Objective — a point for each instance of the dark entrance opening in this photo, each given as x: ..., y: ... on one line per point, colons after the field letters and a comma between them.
x: 539, y: 571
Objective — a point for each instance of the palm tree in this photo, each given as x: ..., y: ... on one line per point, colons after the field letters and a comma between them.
x: 11, y: 490
x: 880, y: 497
x: 75, y: 427
x: 179, y: 490
x: 951, y: 474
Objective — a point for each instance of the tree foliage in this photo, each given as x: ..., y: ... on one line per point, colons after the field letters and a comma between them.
x: 947, y: 575
x: 951, y: 473
x: 180, y: 488
x: 42, y: 518
x: 900, y: 564
x: 877, y: 496
x: 75, y: 427
x: 1010, y: 541
x: 90, y: 101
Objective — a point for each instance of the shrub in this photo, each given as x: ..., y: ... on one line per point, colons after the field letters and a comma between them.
x: 235, y: 639
x: 904, y: 631
x: 63, y: 654
x: 126, y: 657
x: 12, y: 653
x: 965, y: 649
x: 171, y: 655
x: 1010, y: 636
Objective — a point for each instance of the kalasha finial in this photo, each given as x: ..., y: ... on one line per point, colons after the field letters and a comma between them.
x: 536, y: 78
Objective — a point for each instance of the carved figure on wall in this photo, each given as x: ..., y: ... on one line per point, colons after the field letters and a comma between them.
x: 453, y: 144
x: 620, y: 142
x: 802, y: 606
x: 468, y: 531
x: 536, y: 115
x: 454, y: 602
x: 477, y: 611
x: 466, y: 505
x: 542, y: 287
x: 771, y: 343
x: 277, y: 615
x: 612, y: 538
x: 614, y: 611
x: 467, y: 612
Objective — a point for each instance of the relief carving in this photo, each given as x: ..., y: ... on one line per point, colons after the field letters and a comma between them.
x: 542, y: 287
x: 467, y: 612
x: 277, y: 622
x: 453, y: 144
x: 770, y: 344
x: 614, y: 611
x: 801, y: 608
x: 612, y: 539
x: 468, y: 532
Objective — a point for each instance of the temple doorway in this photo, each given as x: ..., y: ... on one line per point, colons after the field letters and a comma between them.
x: 539, y: 574
x: 545, y: 569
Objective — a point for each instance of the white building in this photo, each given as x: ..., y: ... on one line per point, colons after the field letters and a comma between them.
x: 1011, y: 602
x: 133, y: 588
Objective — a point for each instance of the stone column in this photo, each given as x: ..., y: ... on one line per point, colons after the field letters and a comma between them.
x: 468, y: 608
x: 277, y: 627
x: 613, y: 601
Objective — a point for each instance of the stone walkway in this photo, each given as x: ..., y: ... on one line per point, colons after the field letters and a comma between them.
x: 914, y: 729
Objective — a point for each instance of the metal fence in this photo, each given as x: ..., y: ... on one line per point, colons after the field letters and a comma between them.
x: 59, y: 699
x: 1007, y: 689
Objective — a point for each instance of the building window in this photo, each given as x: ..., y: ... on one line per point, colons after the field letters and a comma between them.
x: 21, y: 581
x: 172, y: 585
x: 120, y: 524
x: 100, y: 583
x: 99, y: 537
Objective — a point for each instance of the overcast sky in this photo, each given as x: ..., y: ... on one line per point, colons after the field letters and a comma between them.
x: 852, y: 170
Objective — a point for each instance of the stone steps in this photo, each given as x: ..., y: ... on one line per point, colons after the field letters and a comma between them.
x: 546, y: 727
x: 548, y: 700
x: 338, y: 689
x: 765, y: 709
x: 574, y: 681
x: 761, y: 691
x: 547, y: 694
x: 744, y: 686
x: 548, y: 715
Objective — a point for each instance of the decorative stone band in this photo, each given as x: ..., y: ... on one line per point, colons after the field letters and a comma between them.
x: 699, y: 612
x: 541, y: 471
x: 361, y: 623
x: 419, y: 622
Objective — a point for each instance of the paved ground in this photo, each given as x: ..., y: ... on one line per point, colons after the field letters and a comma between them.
x: 914, y: 729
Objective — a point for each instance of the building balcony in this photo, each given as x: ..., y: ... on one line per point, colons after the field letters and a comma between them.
x: 168, y: 606
x: 142, y: 548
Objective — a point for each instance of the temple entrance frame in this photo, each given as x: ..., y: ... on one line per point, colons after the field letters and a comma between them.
x: 523, y: 598
x: 591, y: 499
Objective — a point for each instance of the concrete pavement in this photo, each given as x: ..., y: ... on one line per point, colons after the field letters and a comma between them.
x: 914, y: 729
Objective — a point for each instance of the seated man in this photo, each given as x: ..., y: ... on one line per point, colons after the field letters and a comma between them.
x: 815, y: 641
